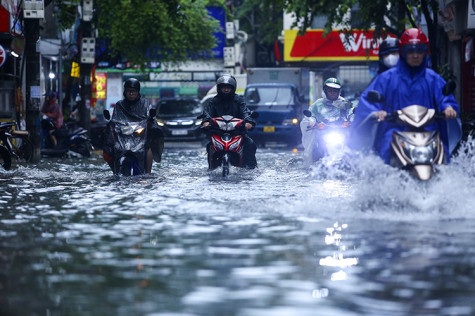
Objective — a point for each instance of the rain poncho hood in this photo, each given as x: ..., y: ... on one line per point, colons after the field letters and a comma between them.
x: 402, y: 86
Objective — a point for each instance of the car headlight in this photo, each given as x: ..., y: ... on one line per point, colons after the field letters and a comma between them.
x: 216, y: 144
x: 160, y: 122
x: 292, y: 121
x: 334, y: 138
x: 197, y: 122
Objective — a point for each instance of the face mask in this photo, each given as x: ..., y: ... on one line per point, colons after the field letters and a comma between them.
x: 390, y: 60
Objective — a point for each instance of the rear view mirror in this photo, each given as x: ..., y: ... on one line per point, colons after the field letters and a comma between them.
x: 449, y: 87
x: 152, y: 112
x: 107, y: 115
x: 375, y: 97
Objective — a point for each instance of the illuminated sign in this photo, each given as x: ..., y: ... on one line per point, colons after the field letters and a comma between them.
x: 100, y: 84
x: 312, y: 46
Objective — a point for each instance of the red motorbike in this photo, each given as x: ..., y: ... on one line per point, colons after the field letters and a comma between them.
x: 226, y: 147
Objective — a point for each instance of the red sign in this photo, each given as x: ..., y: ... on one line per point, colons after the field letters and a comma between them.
x: 3, y: 55
x: 312, y: 46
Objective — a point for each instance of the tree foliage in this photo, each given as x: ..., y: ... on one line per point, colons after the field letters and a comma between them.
x: 143, y: 30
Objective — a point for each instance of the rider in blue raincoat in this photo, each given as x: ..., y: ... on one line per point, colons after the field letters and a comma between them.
x: 409, y: 83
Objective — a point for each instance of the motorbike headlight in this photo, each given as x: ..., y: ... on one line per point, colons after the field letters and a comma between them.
x: 292, y: 121
x: 138, y: 131
x: 334, y: 138
x: 235, y: 145
x: 421, y: 154
x: 216, y: 144
x: 127, y: 129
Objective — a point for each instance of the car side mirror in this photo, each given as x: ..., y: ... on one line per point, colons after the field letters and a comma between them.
x: 152, y: 112
x: 375, y: 97
x: 307, y: 113
x: 107, y: 115
x: 449, y: 87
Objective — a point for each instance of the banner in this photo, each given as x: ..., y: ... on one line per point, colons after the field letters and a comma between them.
x: 312, y: 46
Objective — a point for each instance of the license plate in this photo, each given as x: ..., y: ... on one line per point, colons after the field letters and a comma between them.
x: 178, y: 132
x: 269, y: 129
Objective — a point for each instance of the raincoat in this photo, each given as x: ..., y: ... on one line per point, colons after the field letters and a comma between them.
x: 135, y: 111
x: 402, y: 86
x: 323, y: 110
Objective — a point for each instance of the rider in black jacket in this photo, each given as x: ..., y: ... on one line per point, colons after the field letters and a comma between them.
x: 134, y: 108
x: 227, y: 102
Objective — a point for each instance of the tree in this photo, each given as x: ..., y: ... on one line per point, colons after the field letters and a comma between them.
x: 383, y: 16
x: 169, y: 31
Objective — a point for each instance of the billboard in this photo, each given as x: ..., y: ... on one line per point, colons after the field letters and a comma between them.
x: 312, y: 46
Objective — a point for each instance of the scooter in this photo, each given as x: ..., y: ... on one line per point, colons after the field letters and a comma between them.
x: 325, y: 138
x: 226, y: 146
x: 14, y: 144
x: 415, y: 149
x: 130, y: 139
x: 70, y: 138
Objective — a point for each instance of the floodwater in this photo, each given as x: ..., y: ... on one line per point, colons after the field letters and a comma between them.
x: 337, y: 238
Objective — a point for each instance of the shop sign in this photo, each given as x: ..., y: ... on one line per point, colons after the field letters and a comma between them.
x: 3, y: 55
x: 100, y: 85
x: 312, y: 46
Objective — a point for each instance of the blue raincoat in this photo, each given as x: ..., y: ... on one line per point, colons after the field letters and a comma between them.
x: 402, y: 86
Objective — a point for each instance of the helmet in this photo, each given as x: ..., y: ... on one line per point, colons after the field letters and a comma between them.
x: 226, y: 80
x: 413, y: 39
x: 388, y: 45
x: 132, y: 83
x: 331, y: 83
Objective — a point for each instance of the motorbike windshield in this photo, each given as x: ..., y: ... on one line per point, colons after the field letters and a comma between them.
x: 131, y: 136
x: 269, y: 96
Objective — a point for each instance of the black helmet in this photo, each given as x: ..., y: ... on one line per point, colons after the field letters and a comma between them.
x: 388, y: 45
x: 226, y: 80
x: 132, y: 83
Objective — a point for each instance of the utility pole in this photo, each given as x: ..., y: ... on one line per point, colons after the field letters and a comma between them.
x: 32, y: 12
x: 88, y: 43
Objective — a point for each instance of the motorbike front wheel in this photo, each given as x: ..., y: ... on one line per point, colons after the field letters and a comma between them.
x: 5, y: 158
x: 225, y: 163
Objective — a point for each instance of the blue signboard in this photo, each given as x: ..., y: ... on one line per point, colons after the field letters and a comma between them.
x: 219, y: 14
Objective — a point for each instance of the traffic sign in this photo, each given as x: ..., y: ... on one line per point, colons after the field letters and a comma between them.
x: 3, y: 55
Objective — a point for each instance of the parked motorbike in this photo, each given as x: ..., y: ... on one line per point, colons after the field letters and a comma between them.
x: 130, y: 139
x: 324, y: 138
x: 415, y: 149
x: 226, y: 147
x: 14, y: 144
x: 70, y: 138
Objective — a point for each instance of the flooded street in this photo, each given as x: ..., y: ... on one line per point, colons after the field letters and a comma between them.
x: 354, y: 238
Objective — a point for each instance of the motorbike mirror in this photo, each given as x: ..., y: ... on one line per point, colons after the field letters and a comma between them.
x: 307, y: 113
x: 107, y: 114
x: 152, y: 112
x: 255, y: 115
x: 375, y: 97
x: 449, y: 87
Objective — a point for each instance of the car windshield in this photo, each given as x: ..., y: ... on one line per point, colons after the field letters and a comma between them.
x: 179, y: 107
x: 269, y: 96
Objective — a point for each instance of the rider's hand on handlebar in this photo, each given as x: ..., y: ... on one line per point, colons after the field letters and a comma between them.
x: 450, y: 113
x: 248, y: 126
x: 380, y: 115
x: 205, y: 124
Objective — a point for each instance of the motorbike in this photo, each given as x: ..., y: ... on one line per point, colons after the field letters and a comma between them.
x: 14, y: 144
x: 226, y: 146
x: 130, y: 139
x: 70, y: 138
x: 325, y: 138
x: 414, y: 149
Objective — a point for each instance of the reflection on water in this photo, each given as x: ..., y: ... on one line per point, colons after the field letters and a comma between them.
x: 340, y: 238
